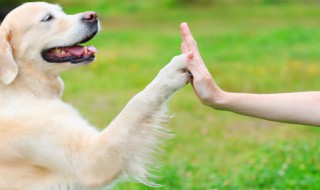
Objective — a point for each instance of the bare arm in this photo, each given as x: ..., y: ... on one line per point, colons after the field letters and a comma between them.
x: 299, y: 107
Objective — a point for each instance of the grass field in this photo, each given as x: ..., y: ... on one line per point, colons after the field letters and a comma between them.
x: 258, y: 49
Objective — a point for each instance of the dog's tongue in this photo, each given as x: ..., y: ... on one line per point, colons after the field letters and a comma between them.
x: 75, y: 50
x: 78, y: 50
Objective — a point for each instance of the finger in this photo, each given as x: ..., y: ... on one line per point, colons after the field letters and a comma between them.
x: 191, y: 65
x: 184, y: 48
x: 190, y: 56
x: 197, y: 70
x: 192, y: 84
x: 191, y: 80
x: 184, y: 31
x: 194, y: 62
x: 188, y: 39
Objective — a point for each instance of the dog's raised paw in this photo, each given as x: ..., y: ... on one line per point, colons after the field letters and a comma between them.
x: 175, y: 75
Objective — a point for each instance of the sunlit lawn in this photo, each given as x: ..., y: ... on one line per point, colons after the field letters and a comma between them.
x: 259, y: 49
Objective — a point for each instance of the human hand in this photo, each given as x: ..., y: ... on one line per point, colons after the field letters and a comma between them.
x: 202, y: 82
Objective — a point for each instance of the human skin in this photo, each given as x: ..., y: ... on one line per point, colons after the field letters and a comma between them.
x: 296, y: 107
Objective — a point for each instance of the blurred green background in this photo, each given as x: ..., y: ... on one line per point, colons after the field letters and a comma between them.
x: 257, y: 46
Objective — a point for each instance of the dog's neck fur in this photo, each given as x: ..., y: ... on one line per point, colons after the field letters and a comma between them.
x: 38, y: 84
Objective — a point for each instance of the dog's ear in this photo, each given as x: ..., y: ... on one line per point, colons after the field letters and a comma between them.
x: 8, y: 66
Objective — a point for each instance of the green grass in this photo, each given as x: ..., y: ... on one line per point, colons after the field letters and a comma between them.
x: 258, y: 49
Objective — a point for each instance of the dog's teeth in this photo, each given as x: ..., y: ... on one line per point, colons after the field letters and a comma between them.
x: 63, y: 52
x: 85, y: 50
x: 56, y: 50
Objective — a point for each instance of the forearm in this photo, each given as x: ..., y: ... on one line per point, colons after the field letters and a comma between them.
x: 299, y: 107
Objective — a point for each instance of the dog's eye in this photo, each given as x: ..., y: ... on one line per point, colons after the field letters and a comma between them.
x: 47, y: 18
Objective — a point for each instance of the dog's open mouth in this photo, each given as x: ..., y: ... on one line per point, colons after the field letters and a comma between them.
x: 73, y: 54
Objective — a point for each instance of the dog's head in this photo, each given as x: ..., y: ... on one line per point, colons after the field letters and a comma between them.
x: 41, y: 36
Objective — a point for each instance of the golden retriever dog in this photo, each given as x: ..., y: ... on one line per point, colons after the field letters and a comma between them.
x: 44, y: 142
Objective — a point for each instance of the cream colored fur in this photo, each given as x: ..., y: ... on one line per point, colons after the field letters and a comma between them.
x: 44, y: 142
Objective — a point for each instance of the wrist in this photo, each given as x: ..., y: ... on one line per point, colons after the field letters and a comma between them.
x: 219, y: 100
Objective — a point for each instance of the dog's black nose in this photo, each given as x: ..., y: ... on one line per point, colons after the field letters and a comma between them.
x: 90, y: 17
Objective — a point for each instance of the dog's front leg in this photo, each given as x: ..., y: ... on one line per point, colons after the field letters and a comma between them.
x: 127, y: 145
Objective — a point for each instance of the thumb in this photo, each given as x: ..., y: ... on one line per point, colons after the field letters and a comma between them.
x: 190, y: 61
x: 191, y: 64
